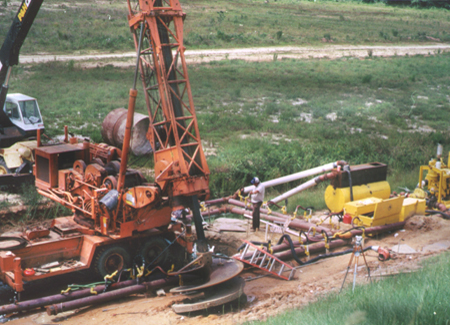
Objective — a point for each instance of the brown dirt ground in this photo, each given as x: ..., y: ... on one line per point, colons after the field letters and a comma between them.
x: 268, y: 295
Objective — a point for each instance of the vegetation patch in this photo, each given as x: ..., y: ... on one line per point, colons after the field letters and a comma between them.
x: 416, y: 298
x: 102, y: 26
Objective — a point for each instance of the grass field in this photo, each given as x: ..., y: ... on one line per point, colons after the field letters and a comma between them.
x: 275, y: 118
x: 418, y: 298
x: 85, y: 26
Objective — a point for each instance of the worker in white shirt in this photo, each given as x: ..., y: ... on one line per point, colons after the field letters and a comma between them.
x: 257, y: 198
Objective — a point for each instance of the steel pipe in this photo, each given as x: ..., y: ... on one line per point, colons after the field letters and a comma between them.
x: 285, y: 251
x: 315, y: 248
x: 45, y: 301
x: 217, y: 201
x: 242, y: 205
x: 108, y: 296
x: 296, y: 223
x: 303, y: 187
x: 299, y: 175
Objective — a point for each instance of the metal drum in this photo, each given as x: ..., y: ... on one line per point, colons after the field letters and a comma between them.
x: 113, y: 131
x: 335, y: 198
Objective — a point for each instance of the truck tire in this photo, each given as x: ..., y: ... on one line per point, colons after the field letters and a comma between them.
x: 154, y: 251
x: 111, y: 259
x: 177, y: 256
x: 4, y: 170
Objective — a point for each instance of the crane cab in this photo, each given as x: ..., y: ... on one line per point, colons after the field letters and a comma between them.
x: 23, y: 111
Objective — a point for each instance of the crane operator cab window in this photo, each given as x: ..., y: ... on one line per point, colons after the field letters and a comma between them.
x: 30, y: 111
x: 12, y: 110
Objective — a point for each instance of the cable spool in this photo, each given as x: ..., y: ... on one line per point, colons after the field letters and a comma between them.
x: 20, y: 243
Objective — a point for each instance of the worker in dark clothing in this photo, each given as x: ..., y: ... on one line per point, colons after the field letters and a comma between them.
x: 257, y: 198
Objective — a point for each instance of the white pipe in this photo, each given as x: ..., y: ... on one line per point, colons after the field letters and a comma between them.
x: 296, y: 190
x: 296, y: 176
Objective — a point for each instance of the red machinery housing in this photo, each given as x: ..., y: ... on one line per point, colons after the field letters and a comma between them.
x: 117, y: 213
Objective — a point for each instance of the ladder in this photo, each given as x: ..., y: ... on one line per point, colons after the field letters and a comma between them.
x: 265, y: 261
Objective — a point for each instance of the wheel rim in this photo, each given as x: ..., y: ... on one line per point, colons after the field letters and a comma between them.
x: 153, y: 252
x: 114, y: 263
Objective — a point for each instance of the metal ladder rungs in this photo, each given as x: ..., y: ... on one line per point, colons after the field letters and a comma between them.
x: 244, y: 251
x: 253, y: 256
x: 273, y: 263
x: 291, y: 275
x: 263, y: 260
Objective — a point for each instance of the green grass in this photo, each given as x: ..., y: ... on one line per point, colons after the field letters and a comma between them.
x: 88, y: 26
x: 417, y: 298
x: 251, y: 112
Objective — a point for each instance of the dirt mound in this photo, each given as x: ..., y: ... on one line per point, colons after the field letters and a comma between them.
x: 424, y: 223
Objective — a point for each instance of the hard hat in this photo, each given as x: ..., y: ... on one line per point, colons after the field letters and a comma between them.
x: 255, y: 180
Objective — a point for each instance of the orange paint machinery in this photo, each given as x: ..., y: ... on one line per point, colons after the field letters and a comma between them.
x: 117, y: 214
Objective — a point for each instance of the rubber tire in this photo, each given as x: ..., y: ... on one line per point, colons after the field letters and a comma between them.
x: 111, y: 259
x: 177, y: 256
x: 3, y: 167
x: 152, y: 248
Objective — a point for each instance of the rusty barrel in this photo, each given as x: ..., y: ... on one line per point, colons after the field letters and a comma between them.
x: 113, y: 131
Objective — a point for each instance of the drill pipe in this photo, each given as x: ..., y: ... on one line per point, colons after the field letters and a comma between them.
x: 242, y: 205
x: 296, y: 223
x: 315, y: 248
x: 71, y: 295
x: 212, y: 212
x: 217, y: 201
x: 284, y: 248
x: 107, y: 296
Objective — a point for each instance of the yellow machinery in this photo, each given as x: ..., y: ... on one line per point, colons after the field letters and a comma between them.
x: 336, y: 198
x: 434, y: 179
x: 13, y: 157
x: 355, y: 183
x: 362, y: 194
x: 372, y: 211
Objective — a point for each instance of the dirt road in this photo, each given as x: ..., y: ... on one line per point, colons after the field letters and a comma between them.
x: 252, y: 54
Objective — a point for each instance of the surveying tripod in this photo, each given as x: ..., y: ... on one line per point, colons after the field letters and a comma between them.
x: 357, y: 251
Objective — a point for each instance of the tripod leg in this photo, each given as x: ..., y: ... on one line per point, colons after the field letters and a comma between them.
x: 346, y: 273
x: 367, y: 266
x: 354, y: 274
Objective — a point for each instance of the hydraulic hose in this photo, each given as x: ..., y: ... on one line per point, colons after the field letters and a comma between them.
x: 443, y: 214
x: 291, y: 244
x: 347, y: 169
x: 348, y: 251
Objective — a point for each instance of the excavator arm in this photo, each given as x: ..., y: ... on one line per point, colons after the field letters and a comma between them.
x: 9, y: 53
